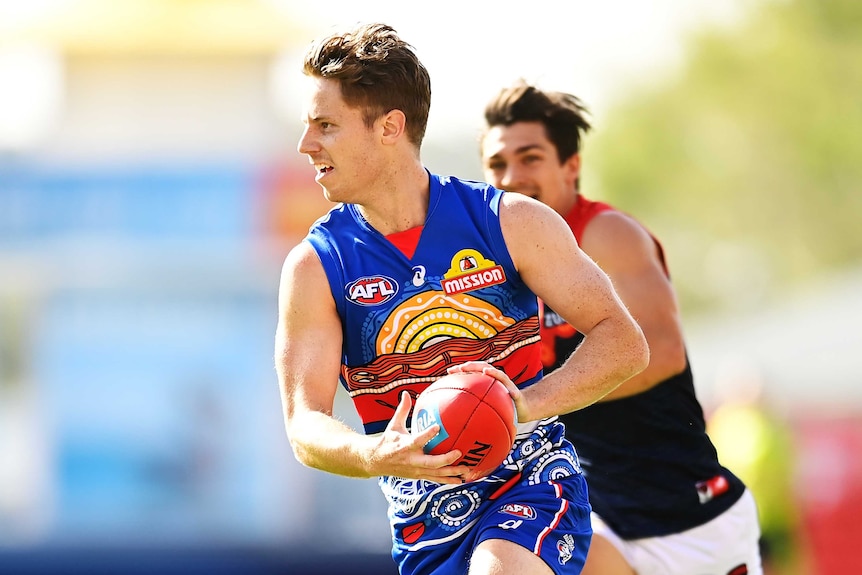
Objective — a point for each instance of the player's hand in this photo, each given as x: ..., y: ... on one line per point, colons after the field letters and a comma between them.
x: 521, y: 409
x: 400, y: 453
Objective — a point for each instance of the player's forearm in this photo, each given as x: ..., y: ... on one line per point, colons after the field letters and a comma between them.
x: 613, y: 351
x: 322, y: 442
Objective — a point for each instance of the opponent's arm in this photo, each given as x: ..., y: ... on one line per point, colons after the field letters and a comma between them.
x: 630, y: 256
x: 557, y: 270
x: 307, y: 360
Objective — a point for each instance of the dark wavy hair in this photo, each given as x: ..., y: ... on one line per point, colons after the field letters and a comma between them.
x: 563, y: 115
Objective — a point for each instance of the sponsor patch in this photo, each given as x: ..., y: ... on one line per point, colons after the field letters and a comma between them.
x: 566, y: 548
x: 711, y: 488
x: 371, y: 290
x: 519, y: 510
x: 469, y: 270
x: 424, y: 419
x: 418, y: 275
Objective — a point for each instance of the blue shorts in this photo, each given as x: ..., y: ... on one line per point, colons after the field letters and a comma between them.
x: 551, y: 519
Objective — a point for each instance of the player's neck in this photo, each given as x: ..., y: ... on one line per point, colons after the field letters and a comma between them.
x: 401, y: 202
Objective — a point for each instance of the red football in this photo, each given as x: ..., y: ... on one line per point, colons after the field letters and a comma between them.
x: 476, y: 416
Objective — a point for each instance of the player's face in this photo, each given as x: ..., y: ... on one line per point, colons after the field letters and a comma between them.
x: 337, y: 142
x: 521, y: 158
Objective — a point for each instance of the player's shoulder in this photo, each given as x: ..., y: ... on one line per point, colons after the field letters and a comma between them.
x: 617, y: 227
x: 300, y: 259
x: 618, y: 239
x: 521, y: 203
x: 529, y: 225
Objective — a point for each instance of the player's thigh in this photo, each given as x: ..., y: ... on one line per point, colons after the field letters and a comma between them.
x: 501, y: 557
x: 541, y: 528
x: 608, y: 553
x: 604, y: 558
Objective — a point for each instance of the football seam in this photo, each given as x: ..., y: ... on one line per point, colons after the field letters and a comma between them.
x: 472, y: 413
x: 497, y: 413
x: 482, y: 400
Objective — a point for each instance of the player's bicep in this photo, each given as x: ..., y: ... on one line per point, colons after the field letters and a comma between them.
x: 308, y: 336
x: 553, y: 265
x: 629, y: 255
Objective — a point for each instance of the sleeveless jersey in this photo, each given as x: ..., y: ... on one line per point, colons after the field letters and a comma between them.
x: 651, y: 468
x: 405, y: 320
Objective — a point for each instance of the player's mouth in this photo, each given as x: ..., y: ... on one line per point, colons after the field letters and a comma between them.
x: 322, y: 170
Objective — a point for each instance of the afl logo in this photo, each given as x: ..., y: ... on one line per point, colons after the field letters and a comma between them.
x: 519, y: 510
x: 372, y: 290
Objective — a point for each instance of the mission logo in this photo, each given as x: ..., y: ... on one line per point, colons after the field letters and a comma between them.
x: 471, y: 271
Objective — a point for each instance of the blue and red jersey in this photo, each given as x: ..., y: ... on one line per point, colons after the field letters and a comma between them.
x: 406, y: 319
x: 410, y: 307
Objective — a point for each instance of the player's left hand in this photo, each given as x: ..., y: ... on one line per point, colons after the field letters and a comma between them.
x: 521, y: 409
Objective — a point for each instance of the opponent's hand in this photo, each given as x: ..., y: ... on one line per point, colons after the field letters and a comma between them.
x: 400, y: 453
x: 521, y: 409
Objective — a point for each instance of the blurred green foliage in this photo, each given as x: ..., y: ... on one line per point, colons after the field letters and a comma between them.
x: 748, y: 164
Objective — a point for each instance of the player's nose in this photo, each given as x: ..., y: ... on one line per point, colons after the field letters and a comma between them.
x: 307, y: 144
x: 509, y: 179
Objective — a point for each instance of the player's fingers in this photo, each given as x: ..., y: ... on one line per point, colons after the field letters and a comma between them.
x: 516, y: 394
x: 497, y: 374
x: 426, y: 435
x: 501, y: 376
x: 468, y: 367
x: 399, y: 417
x: 451, y: 480
x: 443, y: 463
x: 448, y: 473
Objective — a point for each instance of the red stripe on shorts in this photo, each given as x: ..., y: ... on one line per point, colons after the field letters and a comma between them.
x: 564, y: 506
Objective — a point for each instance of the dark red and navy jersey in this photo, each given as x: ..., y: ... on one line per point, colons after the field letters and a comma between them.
x: 456, y: 298
x: 651, y: 467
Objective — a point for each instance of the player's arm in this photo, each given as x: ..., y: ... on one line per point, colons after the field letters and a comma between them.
x: 307, y: 360
x: 628, y: 254
x: 554, y: 267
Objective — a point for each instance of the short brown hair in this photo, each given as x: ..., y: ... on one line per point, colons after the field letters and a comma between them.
x: 378, y: 73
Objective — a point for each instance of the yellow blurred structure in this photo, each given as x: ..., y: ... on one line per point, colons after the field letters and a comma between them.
x: 758, y: 445
x: 168, y: 27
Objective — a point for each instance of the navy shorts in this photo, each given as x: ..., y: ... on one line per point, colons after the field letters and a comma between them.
x: 551, y: 519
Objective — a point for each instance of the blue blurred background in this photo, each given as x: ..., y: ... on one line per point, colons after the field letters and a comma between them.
x: 150, y: 188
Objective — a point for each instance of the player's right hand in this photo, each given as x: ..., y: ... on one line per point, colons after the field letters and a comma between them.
x: 400, y: 453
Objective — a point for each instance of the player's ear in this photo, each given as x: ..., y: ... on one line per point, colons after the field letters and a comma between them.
x: 394, y: 125
x: 572, y: 167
